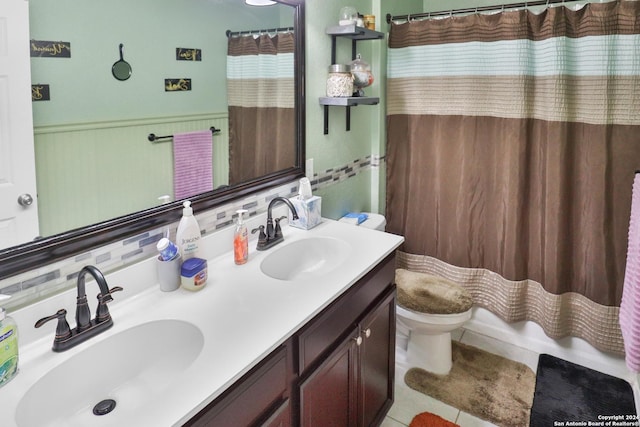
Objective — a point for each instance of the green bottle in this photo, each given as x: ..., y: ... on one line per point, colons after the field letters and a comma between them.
x: 8, y: 346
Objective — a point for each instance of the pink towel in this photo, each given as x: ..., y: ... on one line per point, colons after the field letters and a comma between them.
x: 630, y: 305
x: 192, y: 163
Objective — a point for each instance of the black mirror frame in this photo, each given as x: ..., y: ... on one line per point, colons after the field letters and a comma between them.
x: 32, y: 255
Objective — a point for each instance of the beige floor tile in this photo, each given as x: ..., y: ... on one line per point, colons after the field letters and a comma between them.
x: 390, y: 422
x: 468, y: 420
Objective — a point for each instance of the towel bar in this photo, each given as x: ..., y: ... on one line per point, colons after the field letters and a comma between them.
x: 153, y: 138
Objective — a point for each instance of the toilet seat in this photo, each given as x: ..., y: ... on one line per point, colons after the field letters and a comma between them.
x: 429, y: 294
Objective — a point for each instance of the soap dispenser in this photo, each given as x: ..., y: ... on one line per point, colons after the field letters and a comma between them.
x: 8, y: 346
x: 188, y: 235
x: 241, y: 240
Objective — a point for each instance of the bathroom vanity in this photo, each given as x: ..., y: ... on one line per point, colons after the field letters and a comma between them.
x: 303, y: 334
x: 338, y: 369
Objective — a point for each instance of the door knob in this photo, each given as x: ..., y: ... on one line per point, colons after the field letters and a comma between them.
x: 25, y: 199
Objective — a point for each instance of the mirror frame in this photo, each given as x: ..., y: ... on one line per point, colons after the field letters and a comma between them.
x: 32, y: 255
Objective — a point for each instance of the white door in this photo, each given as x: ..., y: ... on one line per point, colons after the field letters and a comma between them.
x: 18, y: 222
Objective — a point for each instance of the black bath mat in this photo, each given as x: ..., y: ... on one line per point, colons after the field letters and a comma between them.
x: 570, y: 394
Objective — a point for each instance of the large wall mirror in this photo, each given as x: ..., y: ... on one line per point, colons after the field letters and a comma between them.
x: 99, y: 177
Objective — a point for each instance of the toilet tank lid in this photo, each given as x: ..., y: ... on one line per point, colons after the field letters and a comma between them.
x: 374, y: 221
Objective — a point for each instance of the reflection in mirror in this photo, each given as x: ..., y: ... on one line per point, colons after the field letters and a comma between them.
x: 121, y: 69
x: 93, y: 159
x: 94, y: 162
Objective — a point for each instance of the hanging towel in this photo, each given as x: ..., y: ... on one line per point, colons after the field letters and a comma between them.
x: 630, y: 304
x: 192, y: 163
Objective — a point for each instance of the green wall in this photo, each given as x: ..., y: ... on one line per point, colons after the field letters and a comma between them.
x: 365, y: 192
x: 83, y: 88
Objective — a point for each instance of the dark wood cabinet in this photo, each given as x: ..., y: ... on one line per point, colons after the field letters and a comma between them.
x: 328, y: 397
x: 337, y: 370
x: 254, y: 399
x: 353, y: 386
x: 377, y: 362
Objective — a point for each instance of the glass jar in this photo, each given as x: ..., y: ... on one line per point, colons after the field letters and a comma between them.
x: 348, y: 15
x: 370, y: 22
x: 339, y: 81
x: 361, y: 72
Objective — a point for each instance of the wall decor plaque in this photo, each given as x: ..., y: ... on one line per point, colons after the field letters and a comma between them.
x: 177, y: 85
x: 49, y: 49
x: 40, y: 92
x: 188, y: 54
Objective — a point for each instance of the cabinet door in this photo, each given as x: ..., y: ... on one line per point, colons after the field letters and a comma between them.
x: 377, y: 361
x: 328, y: 397
x: 280, y: 418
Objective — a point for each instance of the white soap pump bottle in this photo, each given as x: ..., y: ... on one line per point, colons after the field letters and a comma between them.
x: 188, y: 235
x: 8, y: 345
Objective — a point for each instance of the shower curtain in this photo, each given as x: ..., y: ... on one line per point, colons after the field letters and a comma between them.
x: 512, y: 144
x: 260, y: 85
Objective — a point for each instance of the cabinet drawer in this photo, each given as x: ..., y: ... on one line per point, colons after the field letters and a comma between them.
x: 320, y: 335
x: 250, y: 398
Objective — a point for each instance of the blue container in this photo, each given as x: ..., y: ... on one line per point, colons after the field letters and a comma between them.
x: 193, y: 274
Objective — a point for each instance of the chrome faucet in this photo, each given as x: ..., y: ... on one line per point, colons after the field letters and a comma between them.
x: 273, y: 234
x: 86, y: 328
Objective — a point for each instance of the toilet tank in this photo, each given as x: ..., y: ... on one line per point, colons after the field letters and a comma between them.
x: 374, y: 221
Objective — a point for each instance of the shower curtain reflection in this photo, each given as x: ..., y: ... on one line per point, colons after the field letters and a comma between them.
x: 261, y: 105
x: 512, y: 145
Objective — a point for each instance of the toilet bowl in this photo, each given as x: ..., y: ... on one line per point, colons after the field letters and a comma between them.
x: 429, y: 308
x: 426, y: 338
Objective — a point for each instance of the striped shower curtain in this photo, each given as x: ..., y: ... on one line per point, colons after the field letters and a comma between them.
x: 260, y: 85
x: 512, y: 144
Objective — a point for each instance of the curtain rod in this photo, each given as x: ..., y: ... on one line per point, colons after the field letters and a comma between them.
x: 497, y: 7
x: 230, y: 33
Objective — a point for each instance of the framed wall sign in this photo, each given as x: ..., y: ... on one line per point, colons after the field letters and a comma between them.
x: 188, y: 54
x: 177, y: 85
x: 49, y: 49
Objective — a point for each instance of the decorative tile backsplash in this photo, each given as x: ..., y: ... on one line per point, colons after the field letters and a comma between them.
x: 50, y: 279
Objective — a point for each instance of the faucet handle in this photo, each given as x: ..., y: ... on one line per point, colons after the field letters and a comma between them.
x: 262, y: 237
x: 63, y: 331
x: 106, y: 297
x: 278, y: 231
x: 102, y: 312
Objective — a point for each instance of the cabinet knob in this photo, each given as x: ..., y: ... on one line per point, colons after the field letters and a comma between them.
x: 367, y: 332
x: 358, y: 340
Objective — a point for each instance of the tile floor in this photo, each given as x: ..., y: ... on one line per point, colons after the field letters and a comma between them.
x: 409, y: 402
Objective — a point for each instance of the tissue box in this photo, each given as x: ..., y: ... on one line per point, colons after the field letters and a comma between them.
x: 309, y: 212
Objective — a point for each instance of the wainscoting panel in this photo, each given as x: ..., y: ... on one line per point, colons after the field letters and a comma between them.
x: 91, y: 172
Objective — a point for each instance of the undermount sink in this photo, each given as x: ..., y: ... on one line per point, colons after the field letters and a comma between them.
x: 131, y: 368
x: 306, y: 258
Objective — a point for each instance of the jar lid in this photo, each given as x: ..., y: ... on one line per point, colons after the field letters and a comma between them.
x: 192, y: 266
x: 339, y: 68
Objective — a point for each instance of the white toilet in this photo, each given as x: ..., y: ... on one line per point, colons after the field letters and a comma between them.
x: 429, y: 308
x: 424, y: 324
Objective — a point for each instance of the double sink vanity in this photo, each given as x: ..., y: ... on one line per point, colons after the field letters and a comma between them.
x: 303, y: 334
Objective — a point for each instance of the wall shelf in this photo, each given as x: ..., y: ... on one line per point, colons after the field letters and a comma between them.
x: 356, y: 34
x: 351, y: 101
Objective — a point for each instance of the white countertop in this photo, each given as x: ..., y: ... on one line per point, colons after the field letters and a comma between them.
x: 242, y: 313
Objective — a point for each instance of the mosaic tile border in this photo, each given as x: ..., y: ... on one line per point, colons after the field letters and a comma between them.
x: 38, y: 284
